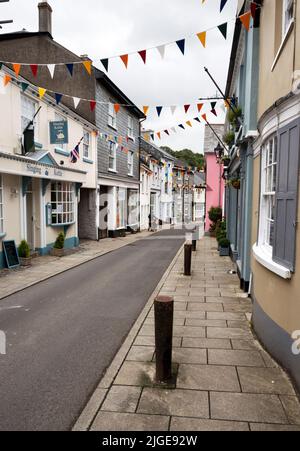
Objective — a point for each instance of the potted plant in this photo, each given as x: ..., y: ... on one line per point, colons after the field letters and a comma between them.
x: 58, y: 248
x: 224, y: 244
x: 215, y: 215
x: 236, y: 183
x: 234, y: 117
x: 229, y: 138
x: 24, y: 253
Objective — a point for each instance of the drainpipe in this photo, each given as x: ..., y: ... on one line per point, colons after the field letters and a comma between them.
x: 139, y: 200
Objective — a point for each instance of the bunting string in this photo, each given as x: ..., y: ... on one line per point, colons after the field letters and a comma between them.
x: 180, y: 43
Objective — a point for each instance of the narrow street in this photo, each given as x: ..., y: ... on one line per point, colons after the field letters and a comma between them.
x: 63, y: 333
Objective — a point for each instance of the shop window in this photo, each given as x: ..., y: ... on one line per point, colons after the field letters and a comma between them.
x: 112, y: 164
x: 130, y: 163
x: 62, y: 203
x: 86, y: 144
x: 121, y: 208
x: 1, y: 206
x: 132, y: 207
x: 112, y: 116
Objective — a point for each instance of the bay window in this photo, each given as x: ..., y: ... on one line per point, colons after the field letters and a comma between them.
x: 62, y: 203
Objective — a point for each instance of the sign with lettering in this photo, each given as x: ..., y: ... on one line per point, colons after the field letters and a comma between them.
x: 11, y: 254
x: 59, y: 133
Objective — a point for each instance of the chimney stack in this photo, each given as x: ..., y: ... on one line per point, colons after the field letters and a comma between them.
x: 45, y: 17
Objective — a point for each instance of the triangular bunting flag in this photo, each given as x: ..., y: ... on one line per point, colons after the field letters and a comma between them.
x: 174, y: 129
x: 105, y: 62
x: 42, y: 92
x: 7, y: 79
x: 159, y: 110
x: 204, y: 117
x: 58, y: 98
x: 162, y: 50
x: 223, y: 29
x: 189, y: 123
x: 202, y: 38
x: 186, y: 108
x: 223, y: 3
x: 143, y: 55
x: 88, y: 66
x: 124, y: 58
x: 181, y: 126
x: 24, y: 86
x: 1, y: 64
x: 34, y: 69
x: 145, y: 109
x: 253, y: 9
x: 181, y: 45
x: 197, y: 119
x: 17, y: 68
x: 70, y: 68
x: 167, y: 132
x: 245, y: 19
x: 152, y: 136
x: 213, y: 105
x: 117, y: 108
x: 200, y: 106
x: 146, y: 137
x: 159, y: 135
x: 173, y: 109
x: 51, y: 69
x: 93, y: 105
x: 76, y: 101
x: 213, y: 111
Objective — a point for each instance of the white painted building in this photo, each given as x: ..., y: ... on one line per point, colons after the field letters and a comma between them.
x: 40, y: 189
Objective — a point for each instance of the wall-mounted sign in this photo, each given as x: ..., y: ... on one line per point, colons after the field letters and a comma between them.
x: 11, y: 254
x: 59, y: 133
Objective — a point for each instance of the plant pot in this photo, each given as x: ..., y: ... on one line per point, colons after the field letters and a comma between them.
x: 236, y: 184
x: 224, y: 251
x: 57, y: 252
x: 25, y: 261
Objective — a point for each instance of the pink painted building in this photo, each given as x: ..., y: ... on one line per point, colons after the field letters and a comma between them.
x: 215, y: 184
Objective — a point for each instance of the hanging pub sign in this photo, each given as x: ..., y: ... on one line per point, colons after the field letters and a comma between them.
x: 59, y: 133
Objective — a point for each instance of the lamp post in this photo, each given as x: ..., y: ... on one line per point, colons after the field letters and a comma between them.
x: 219, y: 152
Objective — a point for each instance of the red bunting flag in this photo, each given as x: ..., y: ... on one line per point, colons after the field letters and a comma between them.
x: 186, y: 108
x: 143, y: 55
x: 117, y: 108
x: 93, y: 105
x: 34, y: 69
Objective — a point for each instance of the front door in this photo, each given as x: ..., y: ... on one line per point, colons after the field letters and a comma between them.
x: 30, y: 217
x: 103, y: 223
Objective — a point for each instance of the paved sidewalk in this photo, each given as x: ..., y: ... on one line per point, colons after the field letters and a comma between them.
x: 226, y: 381
x: 12, y: 281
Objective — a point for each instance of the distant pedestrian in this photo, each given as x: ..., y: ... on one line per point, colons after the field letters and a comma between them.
x: 150, y: 223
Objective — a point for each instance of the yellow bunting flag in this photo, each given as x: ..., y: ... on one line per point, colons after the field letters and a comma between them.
x: 17, y: 68
x: 147, y: 137
x: 88, y: 66
x: 189, y: 123
x: 42, y: 92
x: 7, y: 79
x: 202, y: 38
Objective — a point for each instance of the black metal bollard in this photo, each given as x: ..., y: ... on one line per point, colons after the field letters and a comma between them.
x: 194, y: 245
x: 188, y: 249
x: 164, y: 313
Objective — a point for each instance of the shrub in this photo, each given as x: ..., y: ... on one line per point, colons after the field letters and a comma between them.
x: 60, y: 241
x: 229, y: 138
x: 234, y: 116
x: 221, y: 235
x: 24, y: 249
x: 215, y: 214
x: 224, y: 242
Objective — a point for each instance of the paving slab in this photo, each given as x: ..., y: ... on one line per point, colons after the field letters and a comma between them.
x: 174, y: 402
x: 139, y: 374
x: 265, y: 380
x: 122, y: 399
x: 263, y: 427
x: 196, y: 425
x: 234, y: 357
x: 126, y: 422
x: 206, y: 343
x: 247, y: 407
x: 141, y: 354
x: 216, y: 332
x: 205, y: 307
x: 186, y: 355
x: 292, y: 408
x: 208, y: 377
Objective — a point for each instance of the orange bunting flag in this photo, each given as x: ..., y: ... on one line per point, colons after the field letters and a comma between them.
x: 117, y: 108
x: 159, y: 135
x: 200, y: 106
x: 204, y: 117
x: 145, y: 109
x: 7, y: 79
x: 88, y: 66
x: 245, y: 19
x: 17, y: 68
x: 202, y: 38
x: 124, y: 58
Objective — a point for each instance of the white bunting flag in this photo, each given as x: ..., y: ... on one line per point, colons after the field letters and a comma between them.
x: 162, y: 50
x: 76, y: 101
x: 51, y: 68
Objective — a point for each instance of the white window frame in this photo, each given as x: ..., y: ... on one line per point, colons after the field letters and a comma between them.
x: 59, y: 117
x: 287, y: 16
x: 130, y: 160
x: 1, y: 206
x: 63, y: 196
x: 112, y: 116
x: 27, y: 119
x: 130, y: 128
x: 112, y: 157
x: 121, y: 206
x: 86, y: 144
x: 269, y: 155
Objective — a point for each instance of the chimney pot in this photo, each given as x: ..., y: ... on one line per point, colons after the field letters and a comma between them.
x: 45, y: 17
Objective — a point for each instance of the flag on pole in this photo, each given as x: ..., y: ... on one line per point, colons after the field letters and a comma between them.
x: 75, y: 154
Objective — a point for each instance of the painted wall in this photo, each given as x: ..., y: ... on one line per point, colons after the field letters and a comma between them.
x: 215, y: 186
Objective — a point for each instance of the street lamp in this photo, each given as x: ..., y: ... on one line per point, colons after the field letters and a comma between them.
x: 219, y: 152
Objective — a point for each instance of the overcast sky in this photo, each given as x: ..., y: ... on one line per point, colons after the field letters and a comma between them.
x: 102, y: 28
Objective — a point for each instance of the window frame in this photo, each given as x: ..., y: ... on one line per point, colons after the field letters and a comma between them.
x: 112, y: 147
x: 1, y: 206
x: 31, y: 100
x: 268, y: 187
x: 112, y: 116
x: 130, y: 163
x: 65, y: 197
x: 86, y: 146
x: 130, y: 127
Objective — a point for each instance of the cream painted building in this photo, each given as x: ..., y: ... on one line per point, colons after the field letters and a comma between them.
x: 276, y: 201
x: 40, y: 189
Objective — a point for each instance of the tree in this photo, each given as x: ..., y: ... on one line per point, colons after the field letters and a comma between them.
x: 194, y: 160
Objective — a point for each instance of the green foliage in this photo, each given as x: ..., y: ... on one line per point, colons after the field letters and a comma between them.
x: 224, y: 242
x: 60, y: 241
x: 24, y: 249
x: 229, y: 138
x: 234, y: 116
x: 194, y: 160
x: 215, y: 214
